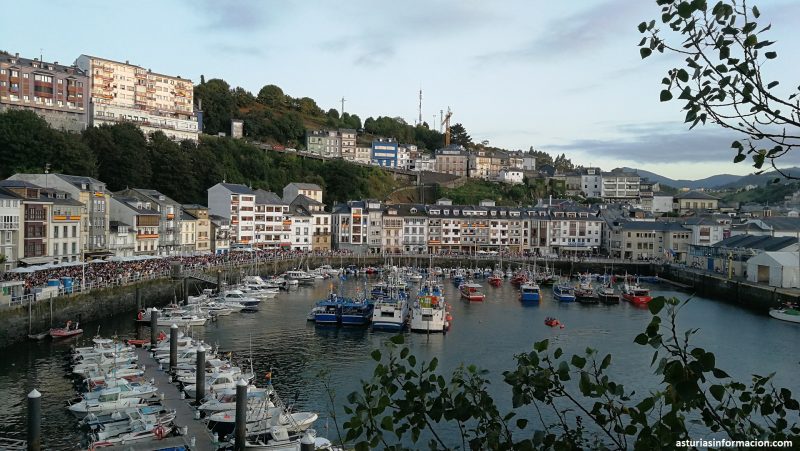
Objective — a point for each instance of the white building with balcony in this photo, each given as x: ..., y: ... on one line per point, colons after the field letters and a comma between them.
x: 237, y: 204
x: 10, y: 240
x: 124, y: 92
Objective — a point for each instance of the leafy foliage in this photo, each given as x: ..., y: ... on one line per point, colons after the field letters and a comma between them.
x: 574, y: 401
x: 723, y: 78
x: 121, y: 156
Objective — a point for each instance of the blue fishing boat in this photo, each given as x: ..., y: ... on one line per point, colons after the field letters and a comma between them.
x: 355, y: 312
x: 529, y: 292
x: 328, y: 311
x: 563, y: 292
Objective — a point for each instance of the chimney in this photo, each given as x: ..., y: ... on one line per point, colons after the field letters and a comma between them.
x: 55, y: 63
x: 127, y: 62
x: 16, y: 55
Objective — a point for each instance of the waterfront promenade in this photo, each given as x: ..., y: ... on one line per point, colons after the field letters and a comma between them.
x: 100, y: 274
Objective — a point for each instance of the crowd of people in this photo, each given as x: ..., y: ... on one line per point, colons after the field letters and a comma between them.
x: 104, y: 272
x: 121, y: 272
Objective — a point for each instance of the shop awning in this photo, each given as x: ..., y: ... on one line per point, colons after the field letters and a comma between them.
x: 36, y: 260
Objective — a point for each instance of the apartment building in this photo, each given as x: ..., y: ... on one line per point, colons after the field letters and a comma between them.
x: 220, y: 234
x: 64, y: 225
x: 320, y: 221
x: 292, y: 190
x: 619, y: 186
x: 592, y: 182
x: 94, y: 195
x: 272, y: 221
x: 363, y: 155
x: 481, y: 167
x: 392, y: 225
x: 694, y: 201
x: 187, y: 225
x: 170, y: 232
x: 385, y: 152
x: 141, y: 218
x: 235, y: 203
x: 575, y: 230
x: 124, y: 92
x: 11, y: 212
x: 453, y: 159
x: 57, y: 93
x: 325, y: 143
x: 35, y: 246
x: 347, y: 141
x: 424, y: 163
x: 121, y: 239
x: 203, y: 239
x: 351, y: 226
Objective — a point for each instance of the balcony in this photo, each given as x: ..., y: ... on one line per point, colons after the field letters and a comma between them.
x: 66, y: 217
x: 146, y: 236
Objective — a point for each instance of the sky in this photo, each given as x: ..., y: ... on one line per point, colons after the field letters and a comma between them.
x: 563, y: 77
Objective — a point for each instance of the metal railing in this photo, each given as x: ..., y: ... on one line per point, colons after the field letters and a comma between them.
x: 198, y: 269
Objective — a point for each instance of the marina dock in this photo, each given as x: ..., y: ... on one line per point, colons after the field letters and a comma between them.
x: 203, y: 441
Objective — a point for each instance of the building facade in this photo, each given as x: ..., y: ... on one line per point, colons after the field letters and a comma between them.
x: 237, y: 204
x: 203, y: 239
x: 143, y: 220
x: 94, y: 195
x: 123, y: 92
x: 384, y: 152
x: 453, y: 159
x: 57, y: 93
x: 11, y: 213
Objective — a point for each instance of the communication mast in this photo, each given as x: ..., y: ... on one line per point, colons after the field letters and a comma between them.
x: 420, y: 107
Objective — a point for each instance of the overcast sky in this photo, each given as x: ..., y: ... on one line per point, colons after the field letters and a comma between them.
x: 559, y: 76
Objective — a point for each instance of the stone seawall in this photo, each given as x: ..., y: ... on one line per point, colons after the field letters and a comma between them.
x: 749, y: 295
x: 105, y: 303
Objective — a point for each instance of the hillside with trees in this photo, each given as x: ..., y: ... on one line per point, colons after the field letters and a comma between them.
x: 273, y: 117
x: 121, y: 156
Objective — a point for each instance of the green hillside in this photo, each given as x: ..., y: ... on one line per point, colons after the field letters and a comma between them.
x: 121, y: 156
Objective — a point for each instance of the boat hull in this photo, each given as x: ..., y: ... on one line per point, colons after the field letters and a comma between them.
x: 781, y: 315
x: 638, y: 300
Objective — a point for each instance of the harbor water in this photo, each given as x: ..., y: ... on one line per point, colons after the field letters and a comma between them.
x: 487, y: 334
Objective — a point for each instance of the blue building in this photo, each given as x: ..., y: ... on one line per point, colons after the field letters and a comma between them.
x: 384, y: 152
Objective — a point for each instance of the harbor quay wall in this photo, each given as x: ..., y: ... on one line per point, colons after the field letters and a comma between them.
x: 753, y: 296
x: 99, y: 304
x: 89, y: 306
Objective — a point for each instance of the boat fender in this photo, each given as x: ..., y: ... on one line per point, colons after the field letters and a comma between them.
x: 159, y: 432
x: 141, y: 315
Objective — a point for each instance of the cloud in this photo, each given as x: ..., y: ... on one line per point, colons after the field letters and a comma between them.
x: 651, y: 143
x: 237, y: 49
x: 581, y: 32
x: 382, y: 31
x: 235, y: 15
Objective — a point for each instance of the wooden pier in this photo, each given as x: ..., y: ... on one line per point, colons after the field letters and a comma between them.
x: 185, y: 414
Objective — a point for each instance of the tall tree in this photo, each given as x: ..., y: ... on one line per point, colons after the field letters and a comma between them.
x: 459, y: 135
x: 171, y: 168
x: 218, y: 105
x: 723, y: 78
x: 121, y: 154
x: 27, y: 143
x: 271, y: 96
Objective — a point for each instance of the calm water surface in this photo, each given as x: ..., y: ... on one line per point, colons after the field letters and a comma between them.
x: 486, y: 334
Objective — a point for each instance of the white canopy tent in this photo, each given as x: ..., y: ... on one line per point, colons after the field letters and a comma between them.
x: 778, y: 269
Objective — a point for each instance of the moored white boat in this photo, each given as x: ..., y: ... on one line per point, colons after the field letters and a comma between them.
x: 786, y: 314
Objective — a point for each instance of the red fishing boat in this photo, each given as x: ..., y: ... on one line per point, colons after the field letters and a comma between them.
x: 519, y: 279
x: 70, y: 330
x: 472, y: 292
x: 635, y: 294
x: 495, y: 280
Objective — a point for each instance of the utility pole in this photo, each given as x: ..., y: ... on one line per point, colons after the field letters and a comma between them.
x: 441, y: 119
x: 420, y: 106
x: 342, y: 107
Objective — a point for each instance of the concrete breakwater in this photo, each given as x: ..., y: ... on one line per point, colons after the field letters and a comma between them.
x: 735, y: 291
